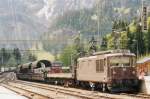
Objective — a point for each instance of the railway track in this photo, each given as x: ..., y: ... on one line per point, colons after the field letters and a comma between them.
x: 140, y: 95
x: 3, y: 77
x: 27, y: 93
x: 58, y: 90
x: 24, y: 88
x: 83, y: 94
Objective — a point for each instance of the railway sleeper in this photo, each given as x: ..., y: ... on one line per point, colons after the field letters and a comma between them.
x: 61, y: 81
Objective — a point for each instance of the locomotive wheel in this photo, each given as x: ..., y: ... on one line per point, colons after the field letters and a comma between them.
x: 66, y: 84
x: 108, y: 87
x: 46, y: 80
x: 104, y: 87
x: 92, y: 86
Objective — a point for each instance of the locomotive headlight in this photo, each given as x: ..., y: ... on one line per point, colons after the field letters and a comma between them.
x: 114, y: 72
x: 133, y: 72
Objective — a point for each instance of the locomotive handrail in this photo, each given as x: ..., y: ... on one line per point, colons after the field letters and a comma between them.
x: 102, y: 52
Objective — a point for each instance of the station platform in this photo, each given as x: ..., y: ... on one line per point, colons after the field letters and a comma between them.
x: 145, y: 86
x: 8, y: 94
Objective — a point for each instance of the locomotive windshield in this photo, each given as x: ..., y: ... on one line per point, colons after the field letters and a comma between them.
x: 121, y: 61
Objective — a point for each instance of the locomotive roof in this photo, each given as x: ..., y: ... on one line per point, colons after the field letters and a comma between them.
x: 115, y: 53
x: 122, y: 54
x: 112, y: 51
x: 88, y: 57
x: 107, y: 55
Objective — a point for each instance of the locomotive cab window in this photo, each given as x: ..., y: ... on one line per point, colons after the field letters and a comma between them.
x: 120, y: 61
x: 100, y: 65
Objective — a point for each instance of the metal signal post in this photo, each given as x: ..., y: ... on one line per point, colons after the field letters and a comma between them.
x: 144, y: 16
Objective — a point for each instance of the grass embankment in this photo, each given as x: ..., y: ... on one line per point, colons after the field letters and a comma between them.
x: 44, y: 55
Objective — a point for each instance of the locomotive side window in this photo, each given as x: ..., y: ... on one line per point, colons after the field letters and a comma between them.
x: 97, y: 66
x: 100, y: 65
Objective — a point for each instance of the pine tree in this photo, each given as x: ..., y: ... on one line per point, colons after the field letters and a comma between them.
x: 17, y: 55
x: 79, y: 46
x: 115, y: 25
x: 32, y: 57
x: 92, y: 45
x: 4, y: 56
x: 140, y: 40
x: 67, y: 55
x: 130, y: 44
x: 148, y: 38
x: 12, y: 61
x: 104, y: 44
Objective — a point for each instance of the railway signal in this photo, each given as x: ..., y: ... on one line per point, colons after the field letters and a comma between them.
x: 144, y: 16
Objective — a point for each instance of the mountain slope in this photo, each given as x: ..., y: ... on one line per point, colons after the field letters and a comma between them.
x: 29, y: 19
x: 18, y: 19
x: 86, y: 19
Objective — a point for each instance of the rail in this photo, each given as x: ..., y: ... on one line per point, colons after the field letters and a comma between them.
x: 27, y: 93
x: 84, y: 94
x: 139, y: 95
x: 59, y: 90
